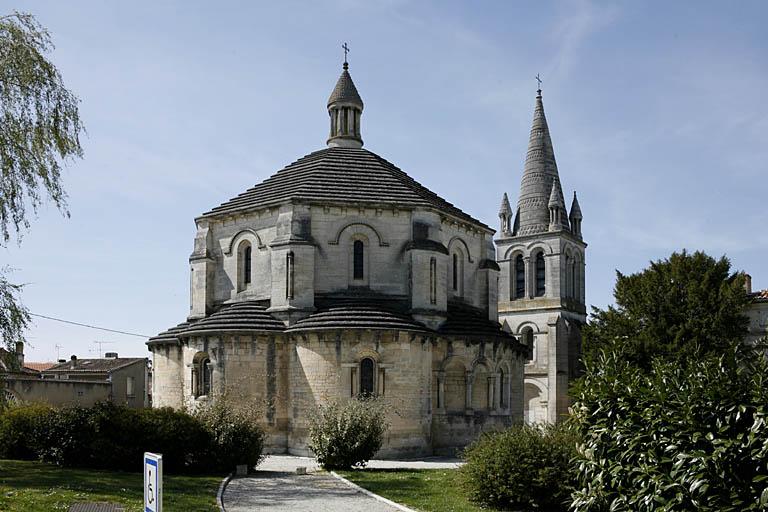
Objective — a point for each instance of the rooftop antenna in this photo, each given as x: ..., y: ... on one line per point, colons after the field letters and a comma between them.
x: 58, y: 350
x: 101, y: 346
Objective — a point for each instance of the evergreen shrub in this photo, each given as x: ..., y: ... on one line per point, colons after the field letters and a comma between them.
x: 686, y: 435
x: 347, y: 433
x: 526, y: 467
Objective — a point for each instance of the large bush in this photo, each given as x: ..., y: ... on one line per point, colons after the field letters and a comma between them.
x: 347, y: 433
x: 115, y: 437
x: 526, y: 467
x: 233, y: 424
x: 687, y: 435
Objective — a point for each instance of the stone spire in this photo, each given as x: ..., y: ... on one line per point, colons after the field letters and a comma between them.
x: 575, y: 216
x: 505, y: 214
x: 345, y: 108
x: 539, y: 174
x: 556, y: 204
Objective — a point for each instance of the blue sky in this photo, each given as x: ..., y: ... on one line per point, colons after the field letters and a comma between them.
x: 657, y: 111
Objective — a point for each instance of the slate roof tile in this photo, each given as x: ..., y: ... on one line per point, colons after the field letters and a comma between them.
x: 341, y: 175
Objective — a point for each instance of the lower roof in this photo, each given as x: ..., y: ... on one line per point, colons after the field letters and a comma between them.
x: 251, y: 317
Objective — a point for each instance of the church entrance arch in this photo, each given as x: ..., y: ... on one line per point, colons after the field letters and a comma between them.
x: 534, y: 404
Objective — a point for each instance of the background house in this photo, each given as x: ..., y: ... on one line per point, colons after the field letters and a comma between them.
x: 121, y: 380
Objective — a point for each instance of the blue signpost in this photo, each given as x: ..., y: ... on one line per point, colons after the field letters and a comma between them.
x: 153, y: 482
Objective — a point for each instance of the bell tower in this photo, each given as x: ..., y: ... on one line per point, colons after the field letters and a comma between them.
x: 541, y: 283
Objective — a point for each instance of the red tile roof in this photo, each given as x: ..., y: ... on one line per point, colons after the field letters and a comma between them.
x: 38, y: 366
x: 760, y: 296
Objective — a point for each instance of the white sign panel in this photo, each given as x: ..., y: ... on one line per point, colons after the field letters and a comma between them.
x: 153, y: 482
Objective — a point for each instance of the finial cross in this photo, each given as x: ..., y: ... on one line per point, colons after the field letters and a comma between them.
x: 346, y: 51
x: 538, y: 80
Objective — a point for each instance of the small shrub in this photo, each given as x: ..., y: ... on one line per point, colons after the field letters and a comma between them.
x: 522, y: 468
x: 18, y: 424
x: 233, y: 425
x: 347, y: 434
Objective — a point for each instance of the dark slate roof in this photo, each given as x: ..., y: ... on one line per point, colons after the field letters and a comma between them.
x: 491, y: 264
x: 345, y: 91
x: 426, y: 245
x: 247, y: 316
x: 467, y: 321
x: 95, y: 365
x: 357, y: 315
x: 341, y: 175
x: 169, y: 336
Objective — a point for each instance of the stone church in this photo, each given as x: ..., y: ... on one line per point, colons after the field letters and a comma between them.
x: 340, y: 276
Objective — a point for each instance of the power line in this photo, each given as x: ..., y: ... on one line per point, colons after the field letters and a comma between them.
x: 90, y: 326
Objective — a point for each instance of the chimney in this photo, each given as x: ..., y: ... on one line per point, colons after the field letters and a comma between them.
x: 74, y: 361
x: 20, y: 353
x: 747, y: 283
x: 111, y: 355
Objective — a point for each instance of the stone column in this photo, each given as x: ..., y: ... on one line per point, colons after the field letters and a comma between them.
x: 469, y: 379
x: 441, y: 390
x: 529, y: 287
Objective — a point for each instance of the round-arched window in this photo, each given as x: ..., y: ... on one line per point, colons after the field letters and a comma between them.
x: 366, y: 376
x: 358, y: 253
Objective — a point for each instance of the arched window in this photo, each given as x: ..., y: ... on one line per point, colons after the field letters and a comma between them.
x: 502, y: 397
x: 519, y: 277
x: 358, y: 254
x: 247, y: 265
x: 205, y: 367
x: 529, y: 341
x: 575, y: 278
x: 366, y: 376
x: 289, y: 277
x: 243, y: 265
x: 541, y: 274
x: 202, y: 375
x: 455, y: 272
x: 568, y: 275
x: 432, y: 281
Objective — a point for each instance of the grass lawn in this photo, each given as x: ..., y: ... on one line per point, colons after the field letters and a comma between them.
x: 37, y: 487
x: 426, y: 490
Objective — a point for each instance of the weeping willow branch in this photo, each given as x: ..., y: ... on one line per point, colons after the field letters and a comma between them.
x: 40, y: 124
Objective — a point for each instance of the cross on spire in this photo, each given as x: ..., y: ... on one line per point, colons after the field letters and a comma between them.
x: 537, y: 79
x: 346, y: 51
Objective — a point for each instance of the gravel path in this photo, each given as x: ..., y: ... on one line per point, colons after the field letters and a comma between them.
x: 276, y: 487
x: 284, y: 492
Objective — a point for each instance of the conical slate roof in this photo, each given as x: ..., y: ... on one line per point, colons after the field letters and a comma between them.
x: 575, y: 208
x: 341, y: 175
x: 538, y: 175
x: 345, y: 91
x: 505, y: 208
x: 556, y: 199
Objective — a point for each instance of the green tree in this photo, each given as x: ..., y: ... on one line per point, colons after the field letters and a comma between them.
x: 39, y: 131
x: 683, y: 306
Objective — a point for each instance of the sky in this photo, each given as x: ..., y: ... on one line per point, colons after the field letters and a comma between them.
x: 657, y: 111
